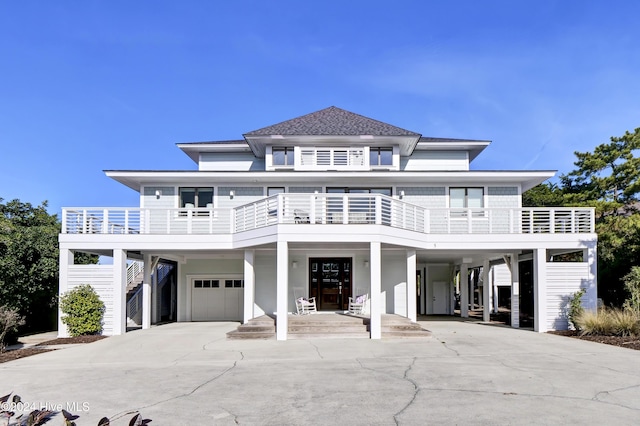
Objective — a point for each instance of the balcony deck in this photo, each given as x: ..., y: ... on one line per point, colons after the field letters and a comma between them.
x: 328, y: 209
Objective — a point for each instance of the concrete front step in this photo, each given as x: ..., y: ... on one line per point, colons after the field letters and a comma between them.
x: 336, y: 326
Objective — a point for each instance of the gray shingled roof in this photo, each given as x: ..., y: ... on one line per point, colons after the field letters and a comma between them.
x: 332, y: 121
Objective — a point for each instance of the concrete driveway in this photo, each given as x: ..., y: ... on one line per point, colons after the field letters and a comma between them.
x: 468, y: 373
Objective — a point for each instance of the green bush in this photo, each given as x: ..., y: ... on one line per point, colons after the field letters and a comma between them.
x: 10, y: 320
x: 83, y: 311
x: 632, y: 285
x: 575, y: 307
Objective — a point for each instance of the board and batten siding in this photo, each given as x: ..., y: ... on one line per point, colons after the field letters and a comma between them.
x: 230, y: 161
x: 435, y: 161
x: 100, y: 277
x: 564, y: 279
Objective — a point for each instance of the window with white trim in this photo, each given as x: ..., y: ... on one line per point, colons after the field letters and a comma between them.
x: 282, y: 156
x: 466, y: 198
x: 380, y: 156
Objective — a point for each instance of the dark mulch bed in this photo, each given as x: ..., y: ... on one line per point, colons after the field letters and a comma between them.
x: 20, y: 353
x: 623, y: 342
x: 34, y: 350
x: 71, y: 340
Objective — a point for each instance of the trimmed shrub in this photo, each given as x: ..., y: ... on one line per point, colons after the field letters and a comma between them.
x: 83, y: 311
x: 10, y: 320
x: 575, y: 307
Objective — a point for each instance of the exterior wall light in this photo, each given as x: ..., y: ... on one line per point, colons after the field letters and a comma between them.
x: 158, y: 194
x: 232, y: 194
x: 294, y: 264
x: 366, y: 263
x: 401, y: 195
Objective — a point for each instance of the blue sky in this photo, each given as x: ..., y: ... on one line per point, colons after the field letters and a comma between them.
x: 94, y: 85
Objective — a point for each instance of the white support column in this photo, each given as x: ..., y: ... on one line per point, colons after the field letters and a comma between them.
x: 540, y: 290
x: 66, y: 259
x: 146, y: 292
x: 249, y: 285
x: 375, y: 262
x: 411, y: 286
x: 515, y: 291
x: 119, y: 293
x: 155, y: 317
x: 464, y: 291
x: 486, y: 292
x: 591, y: 256
x: 282, y: 290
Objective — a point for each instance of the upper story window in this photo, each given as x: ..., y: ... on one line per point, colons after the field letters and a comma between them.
x: 282, y: 156
x: 380, y: 156
x: 466, y: 198
x: 275, y: 190
x: 196, y: 198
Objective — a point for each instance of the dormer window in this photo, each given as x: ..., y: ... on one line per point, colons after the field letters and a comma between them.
x: 283, y: 156
x: 380, y: 156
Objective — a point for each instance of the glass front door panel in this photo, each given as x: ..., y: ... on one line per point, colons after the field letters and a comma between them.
x: 330, y: 282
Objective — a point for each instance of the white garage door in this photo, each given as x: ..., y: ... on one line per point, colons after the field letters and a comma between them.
x: 216, y: 299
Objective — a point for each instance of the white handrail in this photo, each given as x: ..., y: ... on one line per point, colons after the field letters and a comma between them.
x: 329, y: 209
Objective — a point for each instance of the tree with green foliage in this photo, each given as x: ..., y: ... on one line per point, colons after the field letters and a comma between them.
x: 29, y: 262
x: 544, y: 195
x: 607, y: 178
x: 83, y: 311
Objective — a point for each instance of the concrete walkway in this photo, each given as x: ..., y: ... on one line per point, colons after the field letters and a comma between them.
x: 468, y: 373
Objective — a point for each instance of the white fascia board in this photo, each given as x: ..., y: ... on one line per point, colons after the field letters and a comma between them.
x: 474, y: 148
x: 527, y: 179
x: 259, y: 143
x: 193, y: 150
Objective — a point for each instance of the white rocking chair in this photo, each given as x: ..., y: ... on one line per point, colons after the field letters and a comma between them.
x: 358, y: 303
x: 304, y: 305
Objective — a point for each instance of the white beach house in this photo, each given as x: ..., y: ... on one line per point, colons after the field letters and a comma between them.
x: 333, y: 204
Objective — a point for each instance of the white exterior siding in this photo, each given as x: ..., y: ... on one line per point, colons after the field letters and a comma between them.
x: 564, y: 279
x: 230, y: 161
x: 242, y: 195
x: 428, y: 196
x: 166, y: 198
x: 394, y: 283
x: 101, y: 278
x: 500, y: 275
x: 503, y: 197
x: 435, y: 161
x: 304, y: 189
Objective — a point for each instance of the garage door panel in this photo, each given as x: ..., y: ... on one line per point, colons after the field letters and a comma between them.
x: 217, y: 299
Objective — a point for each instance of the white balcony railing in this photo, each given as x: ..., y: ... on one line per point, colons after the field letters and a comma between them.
x: 328, y: 209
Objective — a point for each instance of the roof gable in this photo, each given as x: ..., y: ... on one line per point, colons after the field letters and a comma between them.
x: 332, y: 121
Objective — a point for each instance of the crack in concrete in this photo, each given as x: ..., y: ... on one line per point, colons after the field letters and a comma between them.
x: 316, y: 348
x: 596, y: 397
x: 447, y: 346
x: 574, y: 398
x: 416, y: 390
x: 183, y: 395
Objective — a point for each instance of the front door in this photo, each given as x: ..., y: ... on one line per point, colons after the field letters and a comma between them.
x: 330, y: 282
